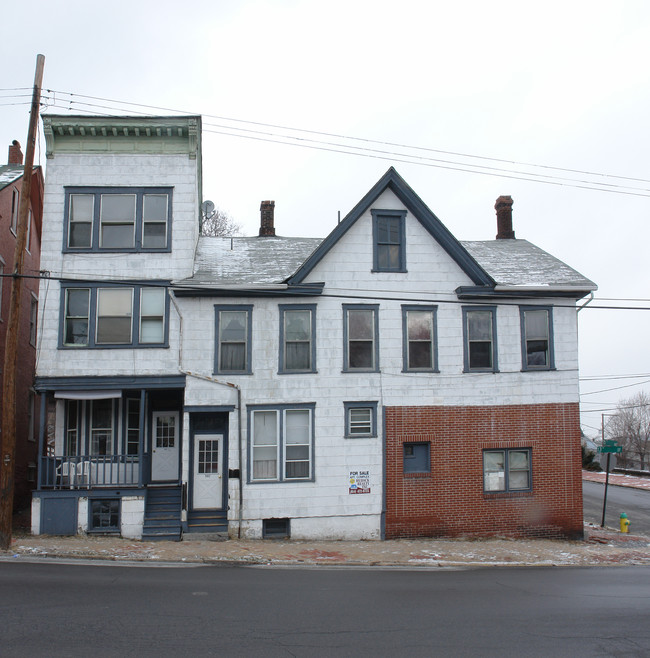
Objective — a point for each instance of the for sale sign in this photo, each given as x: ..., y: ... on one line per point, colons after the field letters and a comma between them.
x: 359, y: 482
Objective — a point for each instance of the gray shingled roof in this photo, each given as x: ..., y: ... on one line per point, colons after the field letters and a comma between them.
x: 267, y: 261
x: 520, y: 263
x: 248, y: 262
x: 9, y: 174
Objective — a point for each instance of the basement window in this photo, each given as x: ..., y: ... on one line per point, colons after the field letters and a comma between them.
x: 104, y: 515
x: 275, y: 529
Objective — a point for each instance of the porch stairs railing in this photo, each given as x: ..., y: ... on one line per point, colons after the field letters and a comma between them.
x: 162, y: 513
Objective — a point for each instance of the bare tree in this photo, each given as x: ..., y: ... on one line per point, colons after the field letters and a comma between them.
x: 219, y: 224
x: 630, y: 426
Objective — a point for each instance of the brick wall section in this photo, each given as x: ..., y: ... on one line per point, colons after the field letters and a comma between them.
x: 450, y: 500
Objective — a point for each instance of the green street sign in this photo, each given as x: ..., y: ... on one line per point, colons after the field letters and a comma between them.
x: 610, y: 448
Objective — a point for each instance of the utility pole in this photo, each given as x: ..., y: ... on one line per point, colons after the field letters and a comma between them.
x: 8, y: 437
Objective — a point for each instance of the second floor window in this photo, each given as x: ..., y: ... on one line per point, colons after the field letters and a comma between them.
x: 233, y: 331
x: 360, y: 329
x: 419, y: 328
x: 117, y: 316
x: 537, y: 347
x: 479, y: 331
x: 118, y: 219
x: 15, y: 205
x: 297, y: 344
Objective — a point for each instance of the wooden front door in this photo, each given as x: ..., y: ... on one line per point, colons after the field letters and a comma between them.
x: 165, y: 446
x: 207, y: 485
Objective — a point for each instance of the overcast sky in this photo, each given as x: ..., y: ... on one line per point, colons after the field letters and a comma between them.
x: 558, y: 84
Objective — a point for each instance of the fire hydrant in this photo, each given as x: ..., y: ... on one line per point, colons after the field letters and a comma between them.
x: 625, y: 522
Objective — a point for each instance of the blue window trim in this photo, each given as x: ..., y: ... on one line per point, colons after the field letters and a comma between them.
x: 524, y: 351
x: 346, y: 346
x: 92, y: 315
x: 417, y: 463
x: 104, y: 498
x: 400, y: 216
x: 495, y: 363
x: 506, y: 466
x: 248, y: 309
x: 94, y: 241
x: 373, y: 419
x: 405, y: 337
x: 280, y: 408
x: 283, y: 308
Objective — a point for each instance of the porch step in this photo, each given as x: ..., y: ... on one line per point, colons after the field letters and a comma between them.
x: 207, y: 521
x: 162, y: 514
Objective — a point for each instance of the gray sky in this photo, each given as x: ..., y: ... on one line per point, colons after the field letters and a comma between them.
x: 562, y: 84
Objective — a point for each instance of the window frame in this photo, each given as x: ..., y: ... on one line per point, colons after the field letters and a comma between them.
x: 2, y: 283
x: 138, y: 222
x: 33, y: 319
x: 414, y: 467
x: 467, y: 310
x: 346, y: 337
x: 406, y: 342
x: 248, y: 347
x: 550, y: 365
x: 112, y: 500
x: 399, y: 216
x: 15, y: 210
x: 93, y: 315
x: 282, y: 367
x: 112, y: 429
x: 348, y: 408
x: 506, y: 470
x: 281, y: 443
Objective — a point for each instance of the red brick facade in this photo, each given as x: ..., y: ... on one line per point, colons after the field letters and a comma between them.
x: 450, y: 500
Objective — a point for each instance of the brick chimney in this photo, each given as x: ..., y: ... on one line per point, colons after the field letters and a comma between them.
x: 503, y: 206
x: 15, y: 154
x: 266, y: 220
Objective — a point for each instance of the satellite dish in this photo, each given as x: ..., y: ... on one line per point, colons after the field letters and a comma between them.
x: 207, y: 208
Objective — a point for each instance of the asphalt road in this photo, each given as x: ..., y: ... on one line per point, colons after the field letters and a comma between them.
x: 634, y: 502
x: 77, y: 610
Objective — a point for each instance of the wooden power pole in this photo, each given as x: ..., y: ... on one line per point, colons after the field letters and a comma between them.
x: 8, y: 436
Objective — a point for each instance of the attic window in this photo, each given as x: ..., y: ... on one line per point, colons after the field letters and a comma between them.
x: 389, y: 242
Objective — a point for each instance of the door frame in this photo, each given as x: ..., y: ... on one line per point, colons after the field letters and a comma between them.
x: 219, y: 428
x: 152, y: 440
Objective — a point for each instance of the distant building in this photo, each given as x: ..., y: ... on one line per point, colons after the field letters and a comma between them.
x: 27, y: 409
x: 386, y: 381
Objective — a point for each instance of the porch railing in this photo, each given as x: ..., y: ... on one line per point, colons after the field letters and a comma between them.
x: 89, y: 471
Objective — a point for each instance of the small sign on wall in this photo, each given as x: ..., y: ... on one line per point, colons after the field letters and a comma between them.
x: 359, y: 482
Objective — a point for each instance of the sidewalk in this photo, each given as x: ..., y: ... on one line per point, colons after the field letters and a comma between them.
x: 618, y: 479
x: 601, y: 547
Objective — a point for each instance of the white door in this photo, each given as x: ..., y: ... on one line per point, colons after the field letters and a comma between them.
x: 207, y: 489
x: 165, y: 448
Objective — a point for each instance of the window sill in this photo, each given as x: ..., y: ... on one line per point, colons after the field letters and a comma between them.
x: 496, y: 495
x: 426, y: 474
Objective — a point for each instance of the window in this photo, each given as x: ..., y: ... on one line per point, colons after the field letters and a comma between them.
x: 28, y: 238
x: 506, y: 470
x: 479, y: 331
x: 33, y: 315
x: 101, y: 427
x: 360, y: 329
x: 132, y: 426
x: 281, y: 443
x: 297, y: 338
x: 105, y: 515
x: 116, y: 316
x: 72, y: 427
x: 360, y: 419
x: 420, y: 344
x: 417, y: 457
x: 389, y: 253
x: 15, y: 206
x: 536, y: 338
x: 118, y: 219
x: 233, y: 331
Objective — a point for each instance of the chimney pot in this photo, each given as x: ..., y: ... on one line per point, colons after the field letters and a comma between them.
x: 267, y: 227
x: 503, y: 206
x: 15, y: 154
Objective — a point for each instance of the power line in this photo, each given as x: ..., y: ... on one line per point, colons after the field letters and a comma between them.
x: 407, y: 158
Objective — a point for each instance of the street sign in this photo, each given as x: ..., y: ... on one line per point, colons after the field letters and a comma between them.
x: 610, y: 448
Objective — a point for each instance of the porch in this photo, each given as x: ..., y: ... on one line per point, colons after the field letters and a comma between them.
x: 92, y: 471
